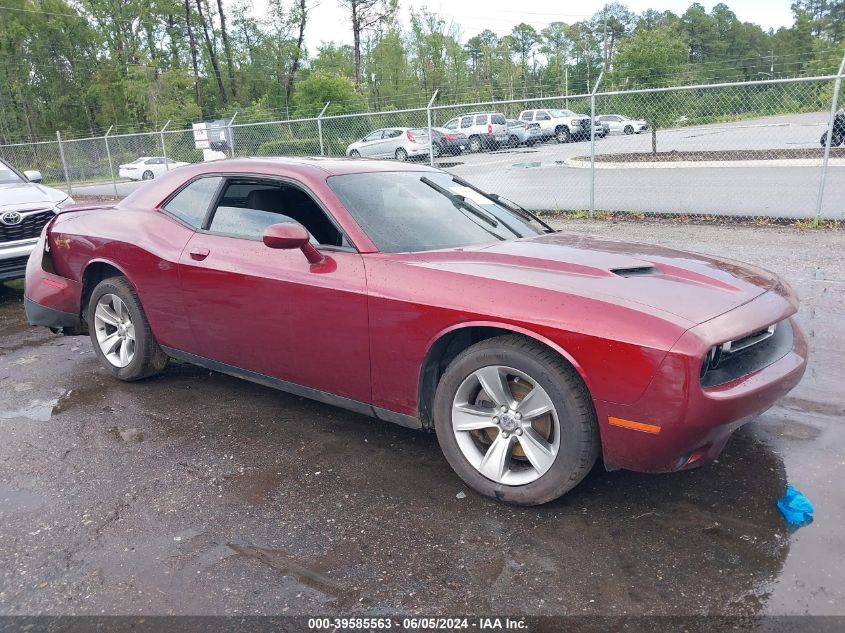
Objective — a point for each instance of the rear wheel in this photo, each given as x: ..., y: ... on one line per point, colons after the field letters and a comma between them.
x: 147, y: 175
x: 513, y: 141
x: 401, y: 155
x: 437, y: 150
x: 515, y: 421
x: 629, y: 129
x: 562, y: 135
x: 121, y: 333
x: 475, y: 144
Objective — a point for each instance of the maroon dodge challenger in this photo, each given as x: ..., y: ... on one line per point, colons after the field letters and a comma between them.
x: 406, y: 293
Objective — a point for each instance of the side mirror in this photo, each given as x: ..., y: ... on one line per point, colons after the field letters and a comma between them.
x: 33, y: 175
x: 290, y: 235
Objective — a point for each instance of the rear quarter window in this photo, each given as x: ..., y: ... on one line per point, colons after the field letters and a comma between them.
x: 192, y: 203
x: 498, y: 119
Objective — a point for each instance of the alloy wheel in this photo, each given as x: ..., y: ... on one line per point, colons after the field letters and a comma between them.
x: 115, y: 330
x: 506, y: 425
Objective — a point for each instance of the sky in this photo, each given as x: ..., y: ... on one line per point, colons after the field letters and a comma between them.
x: 328, y: 22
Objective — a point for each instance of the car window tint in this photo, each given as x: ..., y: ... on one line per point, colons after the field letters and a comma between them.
x: 542, y: 116
x: 466, y: 121
x: 7, y: 176
x: 498, y: 119
x: 247, y: 209
x: 526, y: 116
x: 374, y: 136
x: 453, y: 124
x: 400, y: 213
x: 190, y: 204
x: 481, y: 119
x: 392, y: 133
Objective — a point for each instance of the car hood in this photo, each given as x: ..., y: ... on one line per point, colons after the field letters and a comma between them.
x: 691, y: 286
x: 28, y: 195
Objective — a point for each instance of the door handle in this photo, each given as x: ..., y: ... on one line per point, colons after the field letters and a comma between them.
x: 199, y: 254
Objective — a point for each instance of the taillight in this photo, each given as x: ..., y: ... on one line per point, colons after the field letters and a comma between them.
x: 450, y: 137
x: 489, y: 128
x: 410, y: 136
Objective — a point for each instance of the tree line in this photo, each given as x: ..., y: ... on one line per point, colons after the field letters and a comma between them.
x: 82, y: 66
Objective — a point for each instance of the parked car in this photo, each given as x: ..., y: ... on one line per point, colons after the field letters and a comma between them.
x: 562, y: 125
x: 400, y: 143
x: 448, y: 141
x: 148, y: 167
x: 485, y: 130
x: 405, y: 293
x: 619, y: 124
x: 522, y: 133
x: 25, y: 207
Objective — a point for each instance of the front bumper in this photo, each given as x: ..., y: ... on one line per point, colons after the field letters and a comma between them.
x: 682, y: 423
x: 50, y: 299
x: 13, y: 258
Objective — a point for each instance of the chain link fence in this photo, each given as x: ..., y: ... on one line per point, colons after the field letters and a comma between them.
x: 753, y: 149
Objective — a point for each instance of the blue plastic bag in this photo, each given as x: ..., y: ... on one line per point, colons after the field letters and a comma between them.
x: 795, y: 508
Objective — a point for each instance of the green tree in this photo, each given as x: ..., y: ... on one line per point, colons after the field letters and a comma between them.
x: 313, y: 92
x: 645, y: 60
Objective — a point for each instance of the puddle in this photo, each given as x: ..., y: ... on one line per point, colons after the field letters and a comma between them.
x: 37, y: 410
x: 792, y: 430
x: 76, y: 397
x: 538, y: 164
x: 282, y: 562
x: 254, y: 487
x: 14, y: 501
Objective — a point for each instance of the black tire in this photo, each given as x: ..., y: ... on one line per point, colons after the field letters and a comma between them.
x: 562, y: 134
x: 401, y: 155
x: 147, y: 175
x: 579, y: 445
x: 629, y: 129
x: 437, y: 150
x: 475, y: 144
x: 354, y: 154
x: 835, y: 141
x: 513, y: 141
x: 149, y: 358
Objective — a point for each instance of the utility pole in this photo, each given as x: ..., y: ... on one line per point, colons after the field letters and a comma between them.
x: 772, y: 66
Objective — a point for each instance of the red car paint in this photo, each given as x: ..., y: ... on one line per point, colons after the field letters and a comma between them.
x: 361, y: 326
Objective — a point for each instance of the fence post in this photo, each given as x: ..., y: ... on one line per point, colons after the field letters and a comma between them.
x: 430, y: 136
x: 163, y: 149
x: 320, y: 125
x: 232, y: 135
x: 108, y: 154
x: 593, y: 145
x: 64, y: 164
x: 836, y: 85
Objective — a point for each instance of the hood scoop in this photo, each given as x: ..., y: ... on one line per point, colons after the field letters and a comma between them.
x: 636, y: 271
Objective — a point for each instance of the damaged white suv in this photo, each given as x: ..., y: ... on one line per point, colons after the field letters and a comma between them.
x: 25, y: 207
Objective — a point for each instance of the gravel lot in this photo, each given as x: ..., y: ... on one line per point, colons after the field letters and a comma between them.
x: 196, y: 493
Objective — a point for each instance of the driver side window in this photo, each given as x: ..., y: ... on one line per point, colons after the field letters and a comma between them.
x: 247, y: 208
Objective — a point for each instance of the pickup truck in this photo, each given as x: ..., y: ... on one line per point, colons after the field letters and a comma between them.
x: 563, y: 125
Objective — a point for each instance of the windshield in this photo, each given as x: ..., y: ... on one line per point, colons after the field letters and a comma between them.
x: 561, y: 113
x: 8, y: 175
x: 422, y: 211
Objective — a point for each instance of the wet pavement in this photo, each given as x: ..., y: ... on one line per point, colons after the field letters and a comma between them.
x: 197, y: 493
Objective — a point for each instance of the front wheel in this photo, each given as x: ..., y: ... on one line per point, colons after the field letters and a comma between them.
x: 629, y: 129
x: 147, y: 175
x: 354, y: 154
x: 562, y: 135
x: 120, y: 332
x: 515, y: 421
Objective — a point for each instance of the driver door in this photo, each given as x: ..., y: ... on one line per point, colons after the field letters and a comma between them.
x: 270, y: 311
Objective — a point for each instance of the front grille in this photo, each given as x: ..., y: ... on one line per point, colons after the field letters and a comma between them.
x: 28, y: 228
x: 748, y: 354
x: 13, y: 266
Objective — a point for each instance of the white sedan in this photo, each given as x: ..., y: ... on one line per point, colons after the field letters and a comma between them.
x: 148, y: 167
x: 620, y: 124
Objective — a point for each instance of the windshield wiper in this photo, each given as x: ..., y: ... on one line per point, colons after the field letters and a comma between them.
x: 461, y: 201
x: 524, y: 213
